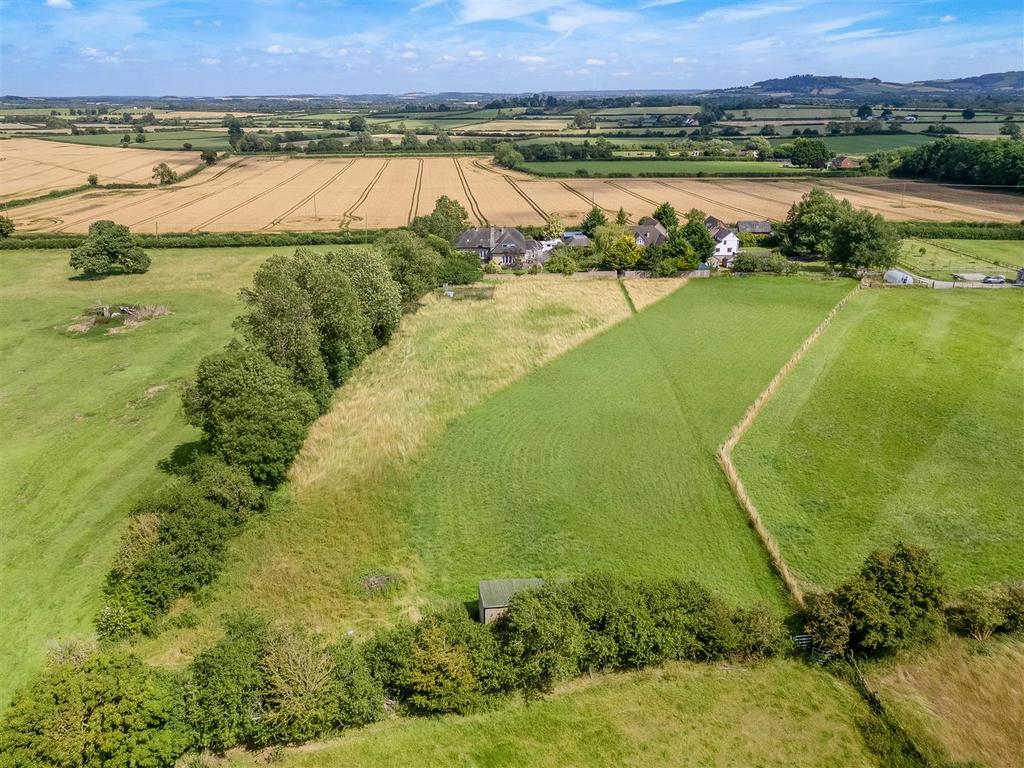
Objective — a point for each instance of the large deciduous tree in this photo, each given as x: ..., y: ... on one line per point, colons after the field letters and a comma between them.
x: 414, y: 265
x: 109, y: 248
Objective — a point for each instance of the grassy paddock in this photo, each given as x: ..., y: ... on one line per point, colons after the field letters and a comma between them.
x: 944, y: 258
x: 904, y: 421
x: 604, y: 459
x: 780, y: 714
x: 92, y: 415
x: 353, y: 481
x: 960, y: 700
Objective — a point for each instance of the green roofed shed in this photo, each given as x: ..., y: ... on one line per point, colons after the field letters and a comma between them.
x: 495, y: 595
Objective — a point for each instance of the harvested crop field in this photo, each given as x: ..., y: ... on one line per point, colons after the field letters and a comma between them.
x: 29, y: 167
x: 301, y: 194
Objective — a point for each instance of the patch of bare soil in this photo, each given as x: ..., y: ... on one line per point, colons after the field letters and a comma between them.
x: 117, y: 319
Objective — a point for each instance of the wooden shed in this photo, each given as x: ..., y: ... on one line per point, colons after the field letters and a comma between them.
x: 495, y: 595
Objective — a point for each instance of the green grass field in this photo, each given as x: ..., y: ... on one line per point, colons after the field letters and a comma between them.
x: 944, y: 258
x: 655, y: 167
x: 863, y: 145
x: 155, y: 139
x: 84, y: 437
x: 780, y: 714
x: 903, y: 422
x: 604, y: 459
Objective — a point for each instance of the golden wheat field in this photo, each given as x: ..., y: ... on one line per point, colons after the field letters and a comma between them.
x: 30, y: 167
x: 302, y: 194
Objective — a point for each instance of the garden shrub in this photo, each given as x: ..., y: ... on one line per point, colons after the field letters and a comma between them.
x: 229, y: 487
x: 379, y: 295
x: 461, y: 268
x: 774, y: 263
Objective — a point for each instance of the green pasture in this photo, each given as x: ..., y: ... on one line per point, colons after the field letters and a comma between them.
x: 87, y: 417
x: 941, y: 259
x: 215, y: 140
x: 903, y: 422
x: 656, y: 167
x: 778, y: 715
x: 605, y: 458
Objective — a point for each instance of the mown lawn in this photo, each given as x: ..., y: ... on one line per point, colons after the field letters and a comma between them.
x: 941, y: 259
x: 905, y: 421
x: 605, y: 458
x: 86, y: 418
x: 780, y: 714
x: 657, y: 167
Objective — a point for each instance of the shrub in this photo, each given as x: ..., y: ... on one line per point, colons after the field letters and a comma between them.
x: 980, y: 612
x: 461, y: 268
x: 760, y: 634
x: 6, y: 226
x: 109, y: 248
x: 414, y: 265
x: 446, y: 221
x: 562, y: 262
x: 229, y: 487
x: 225, y: 685
x: 106, y: 710
x: 93, y: 180
x: 775, y: 263
x: 251, y: 413
x: 184, y: 555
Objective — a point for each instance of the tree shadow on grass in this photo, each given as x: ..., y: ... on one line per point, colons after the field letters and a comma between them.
x: 182, y: 457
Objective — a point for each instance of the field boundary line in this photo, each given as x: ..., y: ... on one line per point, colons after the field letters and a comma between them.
x: 743, y: 426
x: 310, y: 196
x: 626, y: 296
x: 469, y: 195
x: 414, y: 206
x: 187, y: 203
x: 637, y: 195
x: 349, y: 214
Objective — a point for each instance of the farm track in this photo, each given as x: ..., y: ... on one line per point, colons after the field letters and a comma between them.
x: 469, y: 194
x: 584, y: 198
x: 709, y: 199
x: 526, y: 197
x: 414, y: 206
x: 308, y: 197
x: 349, y: 214
x: 257, y: 196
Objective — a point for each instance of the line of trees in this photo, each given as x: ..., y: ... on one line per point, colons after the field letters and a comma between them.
x: 309, y: 321
x: 966, y: 161
x: 264, y: 684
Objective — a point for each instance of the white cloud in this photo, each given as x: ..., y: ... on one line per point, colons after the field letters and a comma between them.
x: 683, y: 60
x: 947, y: 18
x: 210, y: 61
x: 596, y: 62
x: 748, y: 12
x: 476, y: 55
x: 532, y: 59
x: 659, y: 3
x: 409, y: 55
x: 278, y: 50
x: 64, y: 5
x: 426, y: 4
x: 622, y: 73
x: 447, y: 57
x: 576, y: 72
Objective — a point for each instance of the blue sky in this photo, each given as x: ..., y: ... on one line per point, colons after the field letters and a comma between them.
x: 183, y: 47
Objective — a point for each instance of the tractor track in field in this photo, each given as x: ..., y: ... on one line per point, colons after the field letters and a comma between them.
x: 349, y: 214
x: 144, y: 198
x: 766, y: 198
x: 310, y: 196
x: 417, y: 186
x: 709, y: 199
x: 255, y: 197
x: 526, y: 197
x: 469, y: 195
x: 584, y: 198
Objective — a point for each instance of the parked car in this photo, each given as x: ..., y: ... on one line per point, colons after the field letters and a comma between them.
x: 994, y: 280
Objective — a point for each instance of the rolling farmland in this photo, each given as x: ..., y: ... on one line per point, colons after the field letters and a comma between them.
x: 304, y: 194
x: 29, y: 167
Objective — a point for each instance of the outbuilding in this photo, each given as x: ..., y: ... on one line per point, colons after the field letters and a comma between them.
x: 495, y: 595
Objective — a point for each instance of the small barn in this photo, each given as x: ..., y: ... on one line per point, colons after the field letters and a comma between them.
x: 495, y: 595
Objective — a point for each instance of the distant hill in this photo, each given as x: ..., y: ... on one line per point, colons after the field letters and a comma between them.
x: 996, y: 86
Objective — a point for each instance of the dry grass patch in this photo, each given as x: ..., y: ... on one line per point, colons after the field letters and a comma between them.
x: 352, y: 483
x: 964, y: 697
